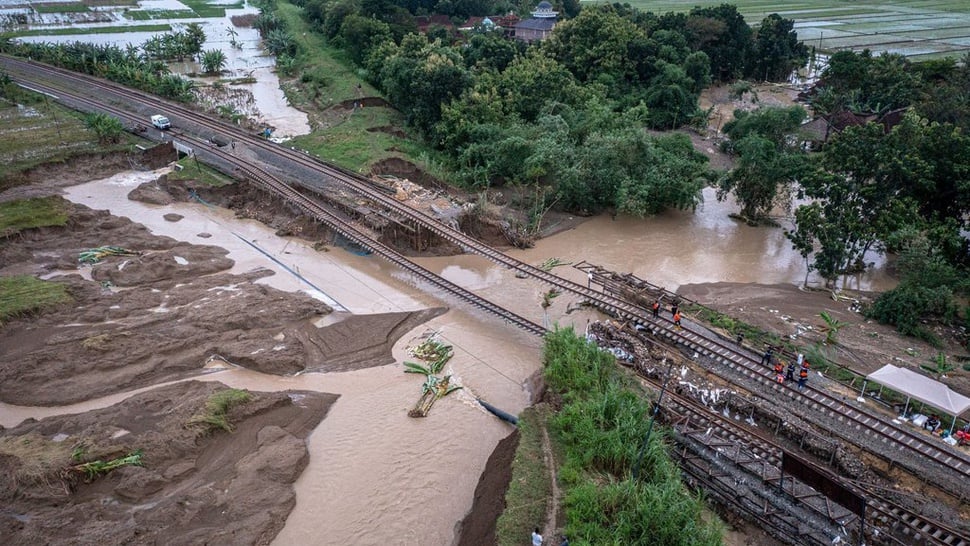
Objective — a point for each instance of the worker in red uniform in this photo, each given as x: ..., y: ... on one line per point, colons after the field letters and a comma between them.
x: 802, y: 376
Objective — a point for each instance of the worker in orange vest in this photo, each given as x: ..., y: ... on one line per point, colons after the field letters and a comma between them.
x: 677, y: 319
x: 802, y: 376
x: 656, y: 309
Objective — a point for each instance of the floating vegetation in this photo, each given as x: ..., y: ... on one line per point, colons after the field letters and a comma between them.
x: 552, y: 263
x: 436, y: 354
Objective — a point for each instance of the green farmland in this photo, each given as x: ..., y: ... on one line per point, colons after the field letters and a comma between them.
x: 920, y: 29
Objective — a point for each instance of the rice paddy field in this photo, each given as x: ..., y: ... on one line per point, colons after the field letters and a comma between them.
x: 918, y: 29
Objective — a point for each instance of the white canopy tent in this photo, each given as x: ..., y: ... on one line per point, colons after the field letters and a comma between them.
x: 922, y: 388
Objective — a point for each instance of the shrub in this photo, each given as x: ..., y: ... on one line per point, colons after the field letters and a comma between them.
x: 907, y: 305
x: 217, y: 408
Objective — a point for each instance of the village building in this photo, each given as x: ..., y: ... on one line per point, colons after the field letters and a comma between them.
x: 539, y: 26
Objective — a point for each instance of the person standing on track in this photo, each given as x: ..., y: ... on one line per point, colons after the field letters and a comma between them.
x: 790, y: 372
x: 802, y: 378
x: 766, y: 358
x: 677, y: 319
x: 674, y: 308
x: 656, y: 309
x: 780, y: 371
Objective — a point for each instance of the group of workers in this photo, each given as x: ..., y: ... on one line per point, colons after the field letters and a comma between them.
x: 674, y: 312
x: 785, y: 372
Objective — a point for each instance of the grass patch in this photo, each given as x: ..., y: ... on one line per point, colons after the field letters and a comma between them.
x: 16, y: 216
x: 530, y: 488
x: 753, y: 335
x: 329, y: 67
x: 327, y: 77
x: 71, y: 31
x: 41, y: 460
x: 350, y: 144
x: 61, y: 8
x: 43, y: 132
x: 192, y: 169
x: 153, y: 14
x: 23, y: 295
x: 215, y: 416
x: 598, y: 432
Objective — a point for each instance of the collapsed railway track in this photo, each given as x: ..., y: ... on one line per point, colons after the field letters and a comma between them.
x: 856, y: 421
x: 793, y: 511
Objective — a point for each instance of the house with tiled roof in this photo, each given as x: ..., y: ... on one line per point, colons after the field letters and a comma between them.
x: 539, y: 26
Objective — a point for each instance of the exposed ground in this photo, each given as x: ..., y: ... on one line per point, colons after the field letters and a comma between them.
x: 193, y: 485
x: 863, y: 345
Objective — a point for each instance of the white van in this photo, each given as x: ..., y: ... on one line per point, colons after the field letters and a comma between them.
x: 161, y: 122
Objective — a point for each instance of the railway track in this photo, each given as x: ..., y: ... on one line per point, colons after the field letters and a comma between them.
x: 760, y: 457
x: 869, y: 427
x: 256, y: 175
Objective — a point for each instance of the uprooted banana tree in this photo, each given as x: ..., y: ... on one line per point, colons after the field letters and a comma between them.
x: 436, y: 354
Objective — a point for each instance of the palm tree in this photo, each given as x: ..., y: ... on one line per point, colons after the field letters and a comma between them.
x: 213, y: 61
x: 832, y: 327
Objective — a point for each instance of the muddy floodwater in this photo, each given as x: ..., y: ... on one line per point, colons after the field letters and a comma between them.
x: 672, y: 249
x: 376, y: 476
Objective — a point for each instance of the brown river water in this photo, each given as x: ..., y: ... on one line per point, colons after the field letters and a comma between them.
x: 376, y: 476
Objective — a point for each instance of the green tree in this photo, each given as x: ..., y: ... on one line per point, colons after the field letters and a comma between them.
x: 594, y: 45
x: 490, y: 50
x: 532, y: 81
x: 359, y: 35
x: 108, y: 128
x: 194, y: 38
x: 928, y: 285
x: 777, y: 51
x: 724, y: 36
x: 213, y: 61
x: 336, y: 13
x: 669, y: 98
x: 422, y: 77
x: 768, y: 155
x: 279, y: 42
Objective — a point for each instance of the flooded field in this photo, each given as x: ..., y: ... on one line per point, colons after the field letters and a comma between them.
x: 918, y: 30
x: 262, y: 99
